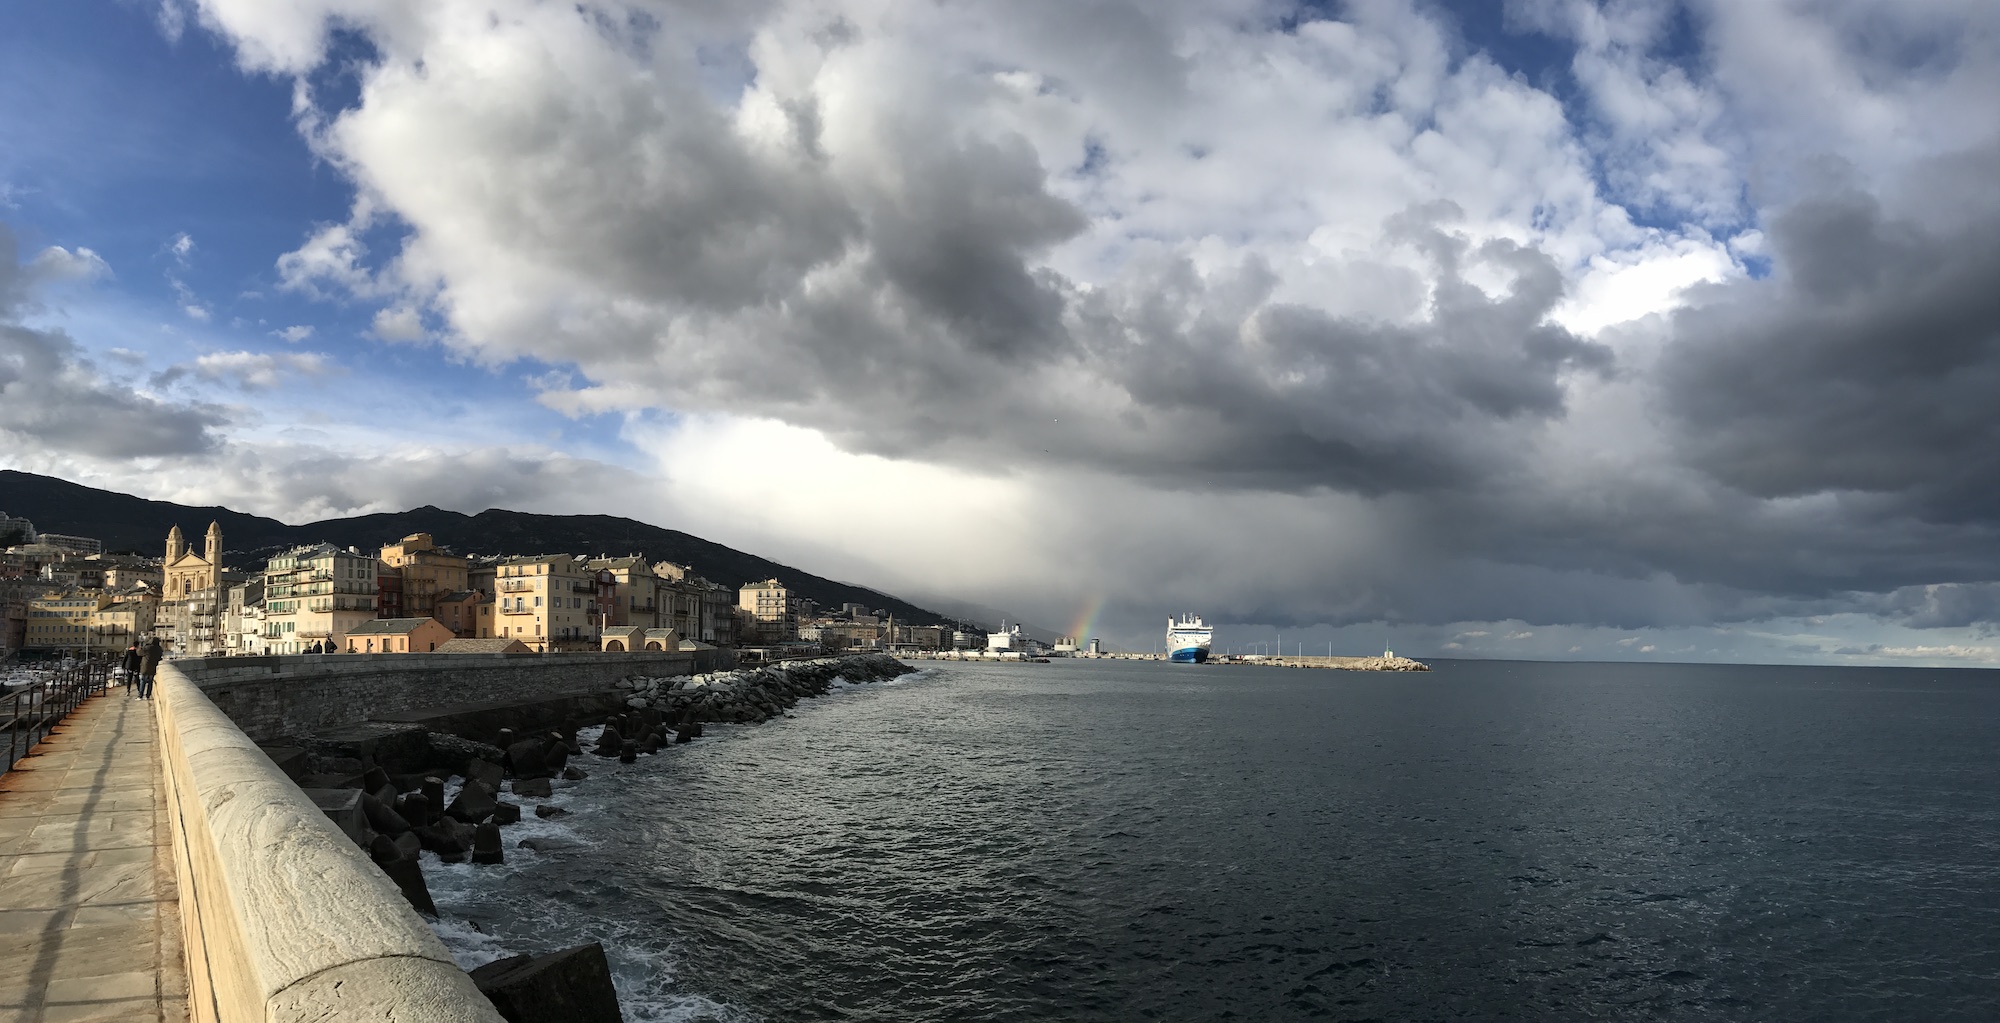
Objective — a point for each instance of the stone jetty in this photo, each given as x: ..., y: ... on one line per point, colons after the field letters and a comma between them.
x: 1386, y: 662
x: 757, y: 694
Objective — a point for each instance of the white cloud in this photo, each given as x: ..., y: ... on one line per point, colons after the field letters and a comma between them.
x: 56, y: 264
x: 332, y: 258
x: 295, y: 333
x: 399, y: 323
x: 260, y: 370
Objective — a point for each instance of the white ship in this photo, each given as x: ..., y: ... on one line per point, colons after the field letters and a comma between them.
x: 1188, y: 639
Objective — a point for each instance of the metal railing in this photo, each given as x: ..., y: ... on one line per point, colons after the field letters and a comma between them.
x: 33, y: 710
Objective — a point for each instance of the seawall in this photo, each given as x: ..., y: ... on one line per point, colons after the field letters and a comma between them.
x: 284, y: 919
x: 275, y: 698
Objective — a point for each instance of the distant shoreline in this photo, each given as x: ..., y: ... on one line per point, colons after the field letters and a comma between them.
x: 1375, y: 663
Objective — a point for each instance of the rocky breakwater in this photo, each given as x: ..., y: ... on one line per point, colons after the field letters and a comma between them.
x: 1387, y: 664
x: 457, y: 804
x: 754, y: 695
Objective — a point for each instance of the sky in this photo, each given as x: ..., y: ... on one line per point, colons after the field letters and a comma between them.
x: 1591, y: 329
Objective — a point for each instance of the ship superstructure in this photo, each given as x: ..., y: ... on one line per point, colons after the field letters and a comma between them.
x: 1188, y: 639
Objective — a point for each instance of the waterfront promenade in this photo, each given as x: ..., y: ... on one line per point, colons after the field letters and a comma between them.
x: 89, y: 914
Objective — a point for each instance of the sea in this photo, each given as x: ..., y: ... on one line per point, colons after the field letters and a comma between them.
x: 1112, y: 840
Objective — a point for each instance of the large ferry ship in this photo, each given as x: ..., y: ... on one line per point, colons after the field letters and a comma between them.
x: 1187, y: 639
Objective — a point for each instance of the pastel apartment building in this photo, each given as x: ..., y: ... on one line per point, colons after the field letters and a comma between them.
x: 317, y: 594
x: 548, y: 602
x: 428, y: 572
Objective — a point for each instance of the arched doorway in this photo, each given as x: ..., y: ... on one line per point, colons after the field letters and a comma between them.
x: 615, y: 646
x: 654, y: 645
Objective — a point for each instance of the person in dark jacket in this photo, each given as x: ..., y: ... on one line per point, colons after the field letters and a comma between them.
x: 149, y: 664
x: 129, y: 667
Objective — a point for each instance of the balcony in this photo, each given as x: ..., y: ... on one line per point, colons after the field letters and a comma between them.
x: 518, y: 610
x: 312, y: 634
x: 516, y: 585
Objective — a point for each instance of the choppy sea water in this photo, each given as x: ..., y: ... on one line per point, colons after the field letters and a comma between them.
x: 1118, y: 841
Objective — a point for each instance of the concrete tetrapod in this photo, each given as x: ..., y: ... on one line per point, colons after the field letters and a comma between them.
x: 286, y: 919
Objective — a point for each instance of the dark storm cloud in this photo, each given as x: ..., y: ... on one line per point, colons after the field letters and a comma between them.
x: 1943, y: 606
x: 1196, y: 380
x: 52, y: 397
x: 1870, y: 362
x: 1292, y: 397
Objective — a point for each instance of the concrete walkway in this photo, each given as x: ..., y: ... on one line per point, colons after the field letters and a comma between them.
x: 89, y: 914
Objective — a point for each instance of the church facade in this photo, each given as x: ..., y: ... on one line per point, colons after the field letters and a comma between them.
x: 191, y: 588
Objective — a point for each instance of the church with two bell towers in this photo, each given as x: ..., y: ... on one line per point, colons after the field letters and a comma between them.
x: 187, y: 573
x: 192, y: 596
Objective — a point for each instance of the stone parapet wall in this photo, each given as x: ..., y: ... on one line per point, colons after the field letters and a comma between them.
x: 285, y: 919
x: 273, y: 698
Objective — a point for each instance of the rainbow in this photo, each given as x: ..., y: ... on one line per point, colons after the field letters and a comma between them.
x: 1086, y: 620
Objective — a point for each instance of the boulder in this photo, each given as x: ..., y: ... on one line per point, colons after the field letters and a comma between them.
x: 527, y: 760
x: 486, y: 772
x: 546, y: 812
x: 475, y: 803
x: 443, y: 838
x: 573, y: 986
x: 415, y: 809
x: 374, y: 778
x: 387, y: 794
x: 409, y: 845
x: 451, y: 752
x: 409, y: 877
x: 433, y: 791
x: 628, y: 752
x: 486, y: 844
x: 533, y: 787
x: 610, y: 742
x: 506, y: 813
x: 382, y: 849
x: 574, y: 774
x: 343, y: 808
x: 381, y: 818
x: 545, y: 844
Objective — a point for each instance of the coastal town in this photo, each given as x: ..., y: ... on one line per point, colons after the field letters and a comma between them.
x: 65, y: 594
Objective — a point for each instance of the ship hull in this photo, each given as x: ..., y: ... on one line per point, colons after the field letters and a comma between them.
x: 1189, y: 655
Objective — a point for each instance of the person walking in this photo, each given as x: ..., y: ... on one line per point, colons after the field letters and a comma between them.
x: 149, y: 664
x: 128, y: 666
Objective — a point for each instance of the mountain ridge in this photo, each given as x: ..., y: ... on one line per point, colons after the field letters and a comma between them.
x: 125, y: 522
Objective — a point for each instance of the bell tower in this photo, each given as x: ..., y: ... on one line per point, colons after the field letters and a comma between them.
x: 213, y: 554
x: 176, y: 545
